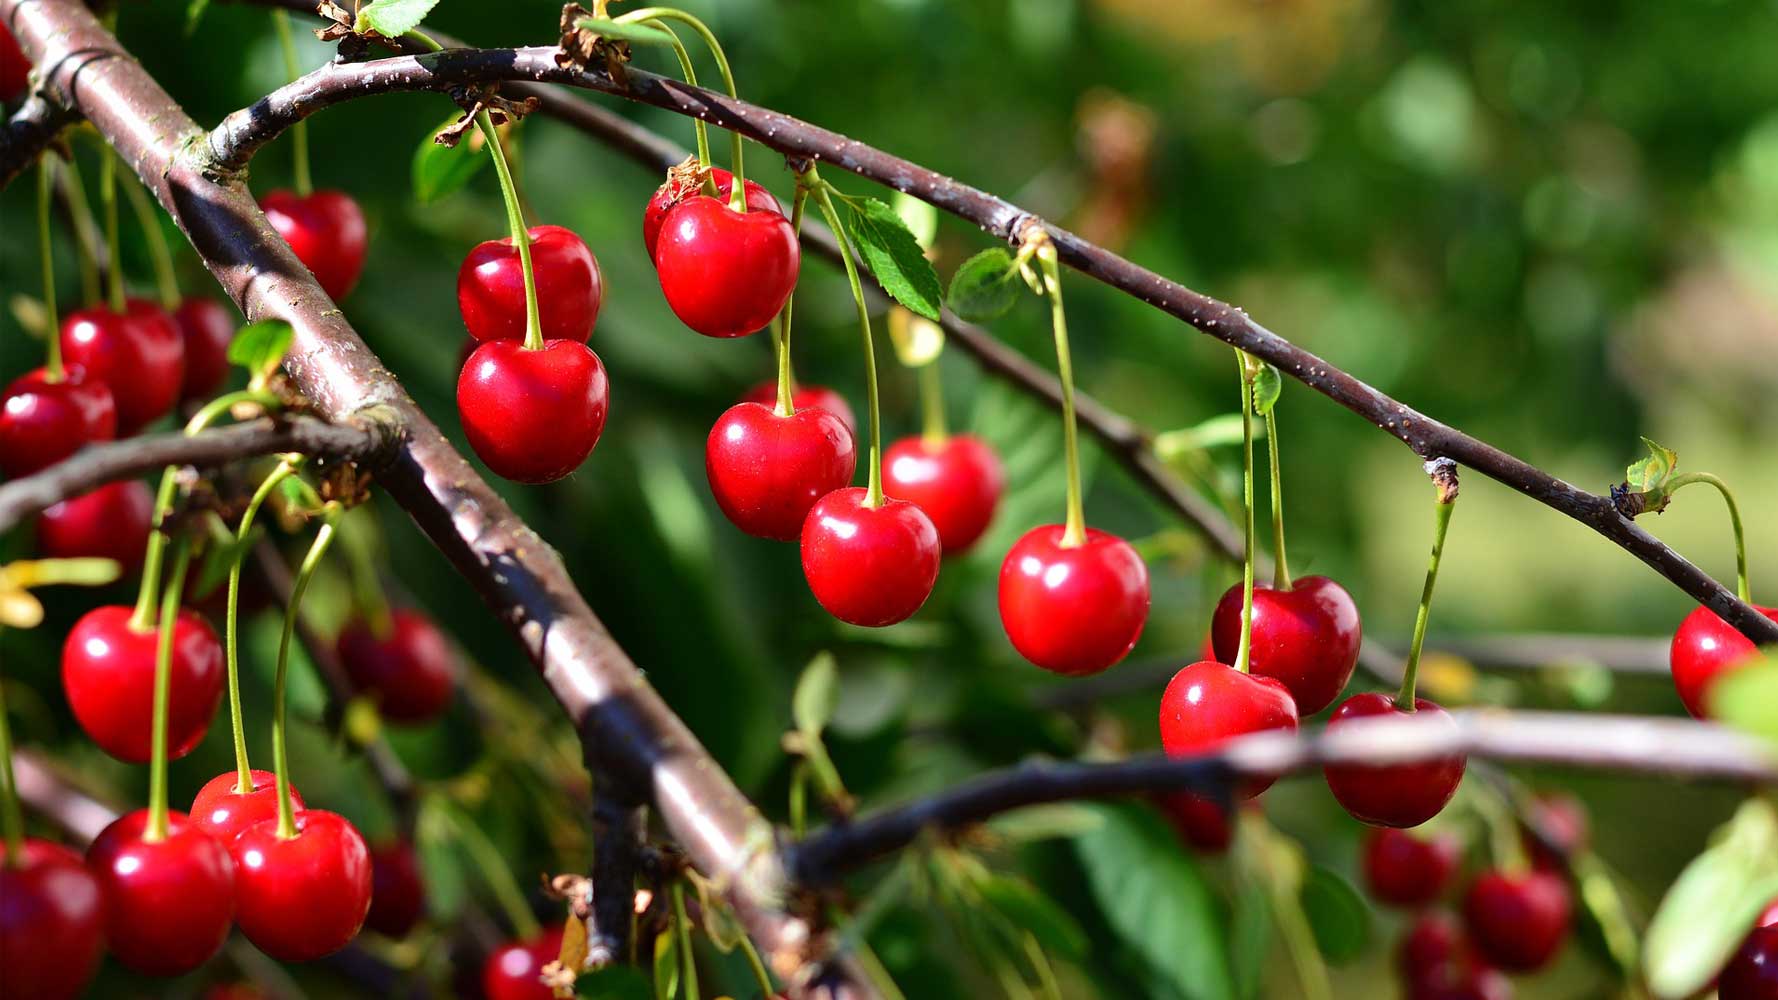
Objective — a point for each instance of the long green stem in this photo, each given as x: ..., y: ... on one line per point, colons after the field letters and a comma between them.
x: 737, y: 195
x: 367, y: 590
x: 515, y: 220
x: 163, y: 682
x: 786, y: 373
x: 231, y: 629
x: 689, y: 962
x: 86, y: 231
x: 299, y: 133
x: 1741, y: 586
x: 691, y: 76
x: 52, y: 369
x: 496, y: 875
x: 280, y: 752
x: 158, y: 251
x: 12, y: 821
x: 873, y: 496
x: 1074, y: 531
x: 1404, y: 700
x: 114, y: 293
x: 1244, y: 653
x: 766, y: 989
x: 1281, y: 579
x: 932, y: 405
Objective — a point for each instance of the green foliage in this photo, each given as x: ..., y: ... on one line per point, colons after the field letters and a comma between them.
x: 893, y: 254
x: 1649, y: 474
x: 1747, y: 698
x: 615, y: 982
x: 984, y: 287
x: 1027, y: 907
x: 260, y: 348
x: 620, y: 31
x: 1339, y: 917
x: 439, y: 170
x: 392, y: 18
x: 1707, y: 912
x: 1268, y: 385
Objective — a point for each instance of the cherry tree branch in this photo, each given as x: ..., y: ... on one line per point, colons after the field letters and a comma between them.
x: 28, y: 133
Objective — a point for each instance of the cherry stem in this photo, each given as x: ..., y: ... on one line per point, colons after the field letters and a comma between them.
x: 280, y: 753
x: 1442, y: 508
x: 691, y: 76
x: 515, y: 220
x: 1074, y: 530
x: 114, y: 293
x: 12, y: 821
x: 1504, y: 841
x: 85, y: 230
x: 158, y: 251
x: 932, y: 405
x: 766, y: 989
x: 687, y: 960
x: 299, y: 133
x: 163, y: 683
x: 52, y: 326
x: 786, y: 374
x: 367, y: 589
x: 1741, y: 585
x: 1244, y: 652
x: 231, y: 629
x: 873, y: 496
x: 1281, y: 579
x: 738, y: 194
x: 496, y: 874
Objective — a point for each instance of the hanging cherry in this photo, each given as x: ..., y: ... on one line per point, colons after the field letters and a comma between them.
x: 955, y: 478
x: 168, y: 900
x: 44, y: 420
x: 683, y: 181
x: 767, y: 470
x: 1409, y: 870
x: 1518, y: 920
x: 491, y: 287
x: 411, y: 670
x: 725, y: 272
x: 136, y: 351
x: 206, y: 327
x: 515, y: 970
x: 397, y: 890
x: 1208, y: 703
x: 1201, y: 823
x: 223, y: 809
x: 804, y: 395
x: 108, y: 674
x: 52, y: 922
x: 1704, y: 649
x: 326, y: 231
x: 1752, y: 974
x: 302, y: 895
x: 111, y: 522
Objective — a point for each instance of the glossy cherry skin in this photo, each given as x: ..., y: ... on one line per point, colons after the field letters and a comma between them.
x: 1752, y: 974
x: 1399, y: 795
x: 725, y: 273
x: 491, y: 287
x: 1704, y: 648
x: 412, y: 672
x: 111, y: 522
x: 670, y: 194
x: 766, y: 471
x: 168, y: 903
x: 802, y: 396
x: 533, y: 416
x: 957, y: 482
x: 1402, y: 869
x: 1307, y: 637
x: 1518, y: 921
x: 869, y: 567
x: 1200, y: 822
x: 512, y: 972
x: 43, y: 422
x: 326, y: 232
x: 108, y: 674
x: 137, y: 353
x: 1563, y: 818
x: 225, y: 812
x: 397, y: 891
x: 303, y: 897
x: 15, y: 70
x: 52, y: 923
x: 1073, y: 610
x: 1209, y: 703
x: 207, y: 326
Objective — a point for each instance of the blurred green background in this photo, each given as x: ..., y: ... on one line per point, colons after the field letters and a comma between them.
x: 1552, y: 225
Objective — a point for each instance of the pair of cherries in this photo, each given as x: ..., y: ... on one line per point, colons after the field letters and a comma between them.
x: 411, y: 671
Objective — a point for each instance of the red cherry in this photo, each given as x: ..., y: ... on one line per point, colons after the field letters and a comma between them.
x: 1307, y: 637
x: 491, y: 287
x: 1768, y: 918
x: 111, y: 522
x: 304, y: 897
x: 137, y: 353
x: 1753, y: 973
x: 1704, y: 648
x: 766, y: 471
x: 1208, y: 704
x: 207, y: 326
x: 867, y: 566
x: 1518, y: 921
x: 52, y: 923
x: 15, y: 71
x: 168, y: 903
x: 412, y: 671
x: 1399, y: 795
x: 1073, y: 610
x: 957, y: 482
x: 671, y: 194
x: 225, y: 812
x: 533, y: 416
x: 1434, y: 941
x: 43, y: 422
x: 326, y: 232
x: 514, y: 971
x: 1564, y: 820
x: 108, y: 674
x: 725, y: 273
x: 1200, y: 822
x: 397, y: 892
x: 1407, y: 870
x: 802, y: 396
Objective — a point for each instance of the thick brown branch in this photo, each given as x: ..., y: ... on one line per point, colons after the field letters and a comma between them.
x: 28, y: 133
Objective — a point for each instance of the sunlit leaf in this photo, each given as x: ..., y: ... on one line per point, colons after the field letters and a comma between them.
x: 1652, y: 472
x: 919, y: 216
x: 894, y: 256
x: 641, y: 34
x: 439, y: 170
x: 817, y: 692
x: 1747, y: 698
x: 1709, y: 908
x: 917, y: 340
x: 260, y: 347
x: 392, y: 18
x: 1268, y: 385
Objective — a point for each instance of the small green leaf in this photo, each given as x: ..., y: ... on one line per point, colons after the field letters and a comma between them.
x: 1029, y: 909
x: 1268, y: 385
x: 921, y: 218
x: 817, y: 692
x: 984, y: 286
x: 392, y: 18
x: 622, y: 31
x: 1341, y: 921
x: 894, y: 256
x: 666, y: 964
x: 259, y: 348
x: 1250, y: 938
x: 1747, y: 698
x: 614, y: 982
x: 1651, y: 473
x: 1712, y: 903
x: 439, y: 170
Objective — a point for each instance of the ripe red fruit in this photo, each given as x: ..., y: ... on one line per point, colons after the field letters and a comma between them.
x: 168, y: 903
x: 512, y: 972
x: 491, y: 287
x: 15, y: 69
x: 533, y: 416
x: 670, y: 194
x: 1208, y: 703
x: 1434, y: 941
x: 1073, y: 610
x: 137, y: 353
x: 412, y: 672
x: 1399, y: 795
x: 52, y: 923
x: 1705, y: 648
x: 1563, y: 819
x: 868, y: 566
x: 43, y: 422
x: 225, y: 812
x: 725, y: 273
x: 957, y: 482
x: 326, y: 232
x: 1518, y: 921
x: 111, y: 522
x: 766, y: 471
x: 304, y: 897
x: 1200, y: 822
x: 1753, y: 973
x: 802, y: 396
x: 1307, y: 637
x: 108, y: 674
x: 397, y: 892
x: 207, y: 326
x: 1406, y: 870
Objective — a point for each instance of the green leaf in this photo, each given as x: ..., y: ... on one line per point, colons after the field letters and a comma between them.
x: 439, y: 170
x: 1712, y: 903
x: 921, y: 218
x: 1337, y: 914
x: 392, y: 18
x: 259, y: 348
x: 1747, y: 698
x: 1250, y: 938
x: 447, y: 881
x: 624, y: 32
x: 614, y: 982
x: 984, y: 286
x: 894, y: 256
x: 194, y: 13
x: 1155, y: 898
x: 1652, y: 472
x: 666, y: 964
x: 1029, y: 909
x: 1268, y: 385
x: 817, y: 692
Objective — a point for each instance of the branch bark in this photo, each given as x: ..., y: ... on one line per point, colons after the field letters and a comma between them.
x: 28, y: 133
